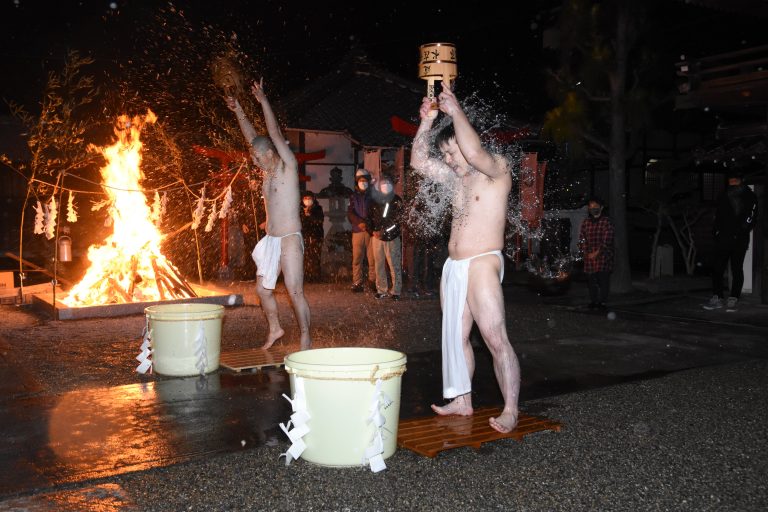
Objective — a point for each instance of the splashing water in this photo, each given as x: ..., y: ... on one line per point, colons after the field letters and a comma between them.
x: 431, y: 209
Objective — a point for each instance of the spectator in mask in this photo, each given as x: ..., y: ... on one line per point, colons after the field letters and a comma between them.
x: 358, y: 216
x: 596, y: 245
x: 312, y: 219
x: 385, y: 215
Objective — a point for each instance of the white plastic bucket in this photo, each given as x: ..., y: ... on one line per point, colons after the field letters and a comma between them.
x: 339, y: 386
x: 176, y: 330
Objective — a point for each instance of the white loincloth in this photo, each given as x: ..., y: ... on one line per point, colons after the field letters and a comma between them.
x: 453, y: 287
x: 266, y: 254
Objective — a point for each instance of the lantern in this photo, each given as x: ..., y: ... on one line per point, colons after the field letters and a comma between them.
x: 65, y: 248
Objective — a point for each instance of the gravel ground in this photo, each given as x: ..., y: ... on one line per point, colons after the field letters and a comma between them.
x: 691, y: 440
x: 694, y: 440
x: 68, y: 355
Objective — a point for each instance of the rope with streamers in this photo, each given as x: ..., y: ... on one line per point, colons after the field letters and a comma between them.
x: 374, y: 453
x: 201, y: 349
x: 298, y: 420
x: 145, y: 357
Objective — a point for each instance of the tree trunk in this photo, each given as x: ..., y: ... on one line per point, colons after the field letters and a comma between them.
x: 655, y: 245
x: 621, y: 279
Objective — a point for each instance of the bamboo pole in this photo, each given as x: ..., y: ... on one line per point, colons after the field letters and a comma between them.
x: 159, y: 284
x: 197, y: 241
x: 31, y: 265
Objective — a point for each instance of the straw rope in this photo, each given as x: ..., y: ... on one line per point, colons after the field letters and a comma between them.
x: 372, y: 379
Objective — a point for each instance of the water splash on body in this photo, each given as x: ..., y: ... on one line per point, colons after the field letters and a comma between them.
x: 432, y: 206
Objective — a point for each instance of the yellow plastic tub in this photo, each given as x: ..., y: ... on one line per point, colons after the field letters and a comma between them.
x: 176, y: 329
x: 339, y: 386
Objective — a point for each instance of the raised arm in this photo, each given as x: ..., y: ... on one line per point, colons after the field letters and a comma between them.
x: 420, y: 159
x: 467, y: 138
x: 249, y: 132
x: 272, y: 127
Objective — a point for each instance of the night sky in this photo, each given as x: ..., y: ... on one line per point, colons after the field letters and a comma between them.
x: 287, y: 44
x: 159, y: 51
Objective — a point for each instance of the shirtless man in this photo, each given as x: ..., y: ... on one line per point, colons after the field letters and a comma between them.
x: 470, y: 289
x: 283, y: 247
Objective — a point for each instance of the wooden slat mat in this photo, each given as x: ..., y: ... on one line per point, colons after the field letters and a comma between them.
x: 257, y: 358
x: 433, y: 434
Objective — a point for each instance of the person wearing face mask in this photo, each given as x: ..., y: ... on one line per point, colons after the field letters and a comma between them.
x: 596, y: 245
x: 387, y: 247
x: 312, y: 219
x: 735, y: 217
x: 358, y: 216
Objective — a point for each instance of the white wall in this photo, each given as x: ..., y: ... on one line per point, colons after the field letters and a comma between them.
x: 338, y: 153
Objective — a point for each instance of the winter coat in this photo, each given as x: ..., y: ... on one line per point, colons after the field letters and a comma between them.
x: 357, y: 211
x: 385, y: 218
x: 736, y: 214
x: 312, y: 224
x: 597, y: 234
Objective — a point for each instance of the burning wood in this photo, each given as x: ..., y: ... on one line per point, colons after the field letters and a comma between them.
x: 128, y: 266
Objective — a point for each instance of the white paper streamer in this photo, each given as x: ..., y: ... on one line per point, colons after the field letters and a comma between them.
x: 145, y: 357
x: 197, y: 215
x: 211, y: 218
x: 201, y: 349
x: 226, y: 203
x: 374, y: 453
x: 298, y: 420
x: 50, y: 219
x: 71, y: 211
x: 98, y: 205
x: 39, y: 219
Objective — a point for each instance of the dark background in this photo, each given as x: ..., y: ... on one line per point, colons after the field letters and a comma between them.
x: 161, y: 50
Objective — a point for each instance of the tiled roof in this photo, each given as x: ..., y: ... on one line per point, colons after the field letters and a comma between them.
x: 357, y: 98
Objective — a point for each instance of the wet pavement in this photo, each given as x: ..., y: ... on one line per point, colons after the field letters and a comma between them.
x: 102, y: 446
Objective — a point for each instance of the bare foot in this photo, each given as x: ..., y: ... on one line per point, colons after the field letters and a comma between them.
x: 272, y: 337
x: 505, y: 422
x: 306, y: 343
x: 458, y: 406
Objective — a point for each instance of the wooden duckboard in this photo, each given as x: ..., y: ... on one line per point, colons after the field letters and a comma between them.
x: 254, y: 358
x: 431, y: 435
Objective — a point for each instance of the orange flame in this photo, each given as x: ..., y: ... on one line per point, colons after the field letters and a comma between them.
x: 122, y: 268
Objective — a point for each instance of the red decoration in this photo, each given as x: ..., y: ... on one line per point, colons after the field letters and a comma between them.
x: 532, y: 189
x: 226, y: 158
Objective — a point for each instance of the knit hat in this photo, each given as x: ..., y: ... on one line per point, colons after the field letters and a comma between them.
x: 362, y: 173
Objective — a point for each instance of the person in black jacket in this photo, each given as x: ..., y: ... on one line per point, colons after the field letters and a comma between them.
x: 735, y: 217
x: 385, y: 215
x: 359, y: 218
x: 312, y: 219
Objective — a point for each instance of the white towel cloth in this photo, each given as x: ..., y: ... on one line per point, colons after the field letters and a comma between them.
x: 266, y: 254
x: 453, y: 287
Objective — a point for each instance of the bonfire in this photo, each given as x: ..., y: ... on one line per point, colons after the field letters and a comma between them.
x: 129, y: 265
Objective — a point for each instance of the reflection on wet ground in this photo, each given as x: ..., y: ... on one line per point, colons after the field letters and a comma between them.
x: 95, y: 433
